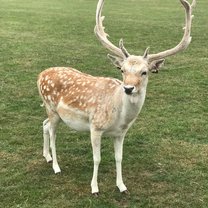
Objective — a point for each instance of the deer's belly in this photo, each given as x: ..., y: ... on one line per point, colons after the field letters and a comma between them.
x: 78, y: 125
x: 74, y: 118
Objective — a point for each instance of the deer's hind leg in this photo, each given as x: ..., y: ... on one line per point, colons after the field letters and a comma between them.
x: 46, y: 141
x: 49, y: 129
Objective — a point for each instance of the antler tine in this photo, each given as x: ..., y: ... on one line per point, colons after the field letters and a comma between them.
x: 186, y: 37
x: 146, y: 53
x: 121, y: 46
x: 193, y: 4
x: 102, y: 36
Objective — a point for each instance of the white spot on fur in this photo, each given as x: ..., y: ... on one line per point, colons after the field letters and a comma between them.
x: 46, y: 78
x: 49, y: 97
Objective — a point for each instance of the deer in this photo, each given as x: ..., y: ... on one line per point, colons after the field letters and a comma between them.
x: 102, y: 105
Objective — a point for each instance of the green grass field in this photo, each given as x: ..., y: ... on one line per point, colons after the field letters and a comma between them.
x: 165, y: 152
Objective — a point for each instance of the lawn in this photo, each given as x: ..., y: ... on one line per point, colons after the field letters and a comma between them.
x: 166, y: 150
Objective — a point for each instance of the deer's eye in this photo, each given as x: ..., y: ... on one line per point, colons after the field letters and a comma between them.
x: 144, y: 73
x: 122, y: 71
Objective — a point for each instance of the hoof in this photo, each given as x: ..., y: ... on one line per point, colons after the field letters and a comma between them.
x: 49, y: 161
x: 95, y: 194
x: 48, y: 158
x: 57, y: 170
x: 126, y: 192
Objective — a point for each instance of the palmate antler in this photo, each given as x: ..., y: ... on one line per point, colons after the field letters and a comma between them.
x: 122, y: 53
x: 103, y: 37
x: 184, y: 43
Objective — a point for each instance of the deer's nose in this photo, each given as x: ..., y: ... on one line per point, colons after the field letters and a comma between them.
x: 128, y: 89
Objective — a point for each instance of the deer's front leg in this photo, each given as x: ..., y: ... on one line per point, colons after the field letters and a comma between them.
x: 96, y: 143
x: 118, y: 147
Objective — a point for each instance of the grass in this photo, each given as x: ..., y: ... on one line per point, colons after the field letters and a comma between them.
x: 166, y: 150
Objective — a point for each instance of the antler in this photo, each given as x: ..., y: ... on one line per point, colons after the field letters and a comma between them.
x: 186, y: 37
x: 102, y: 36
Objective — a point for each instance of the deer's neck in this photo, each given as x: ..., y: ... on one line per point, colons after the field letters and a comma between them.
x: 130, y: 105
x: 134, y: 103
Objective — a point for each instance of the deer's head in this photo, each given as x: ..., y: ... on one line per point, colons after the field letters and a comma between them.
x: 135, y: 69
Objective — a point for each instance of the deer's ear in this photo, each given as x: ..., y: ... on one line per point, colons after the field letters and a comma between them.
x: 117, y: 62
x: 154, y: 66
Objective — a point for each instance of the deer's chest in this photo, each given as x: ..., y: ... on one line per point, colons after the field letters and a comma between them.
x: 126, y: 116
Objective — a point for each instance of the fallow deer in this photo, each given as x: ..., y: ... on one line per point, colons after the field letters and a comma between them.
x: 103, y: 106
